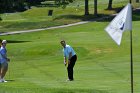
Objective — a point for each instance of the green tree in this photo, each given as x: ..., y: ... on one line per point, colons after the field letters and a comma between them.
x: 19, y: 5
x: 5, y: 5
x: 12, y: 5
x: 63, y: 3
x: 34, y: 2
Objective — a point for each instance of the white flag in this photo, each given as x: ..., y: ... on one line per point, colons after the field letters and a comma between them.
x: 122, y: 22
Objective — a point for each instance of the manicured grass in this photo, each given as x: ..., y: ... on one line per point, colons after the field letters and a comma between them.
x: 37, y: 61
x: 103, y: 67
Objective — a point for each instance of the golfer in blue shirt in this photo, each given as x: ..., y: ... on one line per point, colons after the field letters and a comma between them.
x: 70, y: 55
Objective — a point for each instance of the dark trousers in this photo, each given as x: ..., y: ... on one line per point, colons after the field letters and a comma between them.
x: 71, y: 66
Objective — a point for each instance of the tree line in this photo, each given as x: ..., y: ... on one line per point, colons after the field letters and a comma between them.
x: 22, y: 5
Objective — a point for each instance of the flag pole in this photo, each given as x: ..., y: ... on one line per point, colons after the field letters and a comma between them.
x: 119, y: 23
x: 131, y: 58
x: 131, y: 61
x: 130, y: 1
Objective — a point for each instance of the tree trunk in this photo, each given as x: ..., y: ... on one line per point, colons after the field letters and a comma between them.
x: 86, y: 7
x: 110, y: 5
x: 137, y: 1
x: 95, y: 7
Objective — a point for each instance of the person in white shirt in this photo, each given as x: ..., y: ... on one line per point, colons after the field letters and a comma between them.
x: 71, y: 57
x: 3, y: 61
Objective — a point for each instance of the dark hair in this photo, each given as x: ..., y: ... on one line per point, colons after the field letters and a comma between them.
x: 0, y: 41
x: 62, y: 41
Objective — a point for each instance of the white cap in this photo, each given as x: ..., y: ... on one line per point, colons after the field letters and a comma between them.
x: 4, y: 41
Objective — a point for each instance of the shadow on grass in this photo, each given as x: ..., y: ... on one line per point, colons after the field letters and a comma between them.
x: 136, y: 15
x: 100, y: 17
x: 78, y: 91
x: 49, y: 90
x: 10, y: 80
x: 135, y: 12
x: 12, y: 41
x: 117, y: 10
x: 82, y: 17
x: 92, y: 17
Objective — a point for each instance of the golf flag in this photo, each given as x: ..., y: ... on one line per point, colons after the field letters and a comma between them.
x: 122, y: 22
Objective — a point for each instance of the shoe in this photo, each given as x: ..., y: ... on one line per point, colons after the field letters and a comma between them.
x: 69, y: 80
x: 2, y: 80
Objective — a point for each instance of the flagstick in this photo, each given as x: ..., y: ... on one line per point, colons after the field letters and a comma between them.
x: 130, y: 1
x: 113, y: 32
x: 131, y: 56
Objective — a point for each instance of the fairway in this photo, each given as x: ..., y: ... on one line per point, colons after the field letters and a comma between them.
x: 102, y: 67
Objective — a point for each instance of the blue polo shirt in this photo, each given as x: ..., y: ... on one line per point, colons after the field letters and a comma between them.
x: 3, y: 52
x: 67, y: 51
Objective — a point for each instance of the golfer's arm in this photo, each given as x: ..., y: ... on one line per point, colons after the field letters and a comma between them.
x: 3, y: 55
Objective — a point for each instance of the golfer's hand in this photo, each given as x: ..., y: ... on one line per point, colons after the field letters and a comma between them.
x: 65, y: 63
x: 8, y: 59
